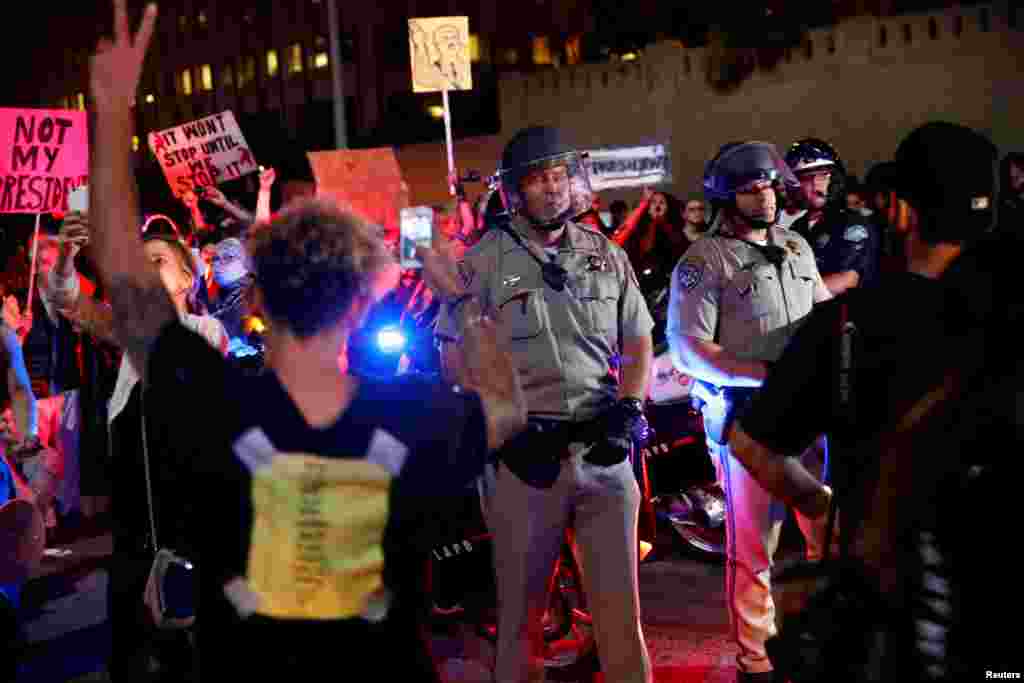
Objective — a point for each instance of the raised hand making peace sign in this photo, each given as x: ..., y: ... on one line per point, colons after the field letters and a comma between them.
x: 117, y: 65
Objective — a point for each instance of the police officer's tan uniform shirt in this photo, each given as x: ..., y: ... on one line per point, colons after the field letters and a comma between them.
x: 561, y: 342
x: 725, y: 291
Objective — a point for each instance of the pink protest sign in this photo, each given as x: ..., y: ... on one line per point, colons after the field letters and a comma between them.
x: 44, y: 154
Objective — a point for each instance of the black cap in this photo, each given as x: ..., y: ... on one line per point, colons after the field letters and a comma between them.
x: 882, y: 177
x: 946, y: 170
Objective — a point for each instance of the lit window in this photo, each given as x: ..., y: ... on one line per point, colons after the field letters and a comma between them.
x: 183, y: 22
x: 247, y: 72
x: 510, y: 56
x: 81, y: 100
x: 201, y: 19
x: 474, y: 48
x: 541, y: 50
x: 320, y: 42
x: 295, y: 59
x: 186, y: 82
x: 150, y: 98
x: 321, y: 60
x: 573, y: 54
x: 271, y: 63
x: 64, y: 103
x: 436, y: 111
x: 228, y: 76
x: 629, y: 57
x: 206, y: 77
x: 135, y: 143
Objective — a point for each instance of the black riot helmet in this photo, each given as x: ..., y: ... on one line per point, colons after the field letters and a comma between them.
x: 739, y: 165
x: 809, y: 155
x: 543, y: 149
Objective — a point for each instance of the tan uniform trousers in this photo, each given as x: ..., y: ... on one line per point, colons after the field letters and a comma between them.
x: 753, y: 524
x: 528, y: 525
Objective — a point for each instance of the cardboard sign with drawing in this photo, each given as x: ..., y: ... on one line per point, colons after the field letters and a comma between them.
x: 439, y: 49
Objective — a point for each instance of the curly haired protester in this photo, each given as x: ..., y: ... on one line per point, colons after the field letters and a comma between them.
x: 308, y: 483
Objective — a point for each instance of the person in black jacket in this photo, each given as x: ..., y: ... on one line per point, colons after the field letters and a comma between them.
x: 1011, y: 195
x: 932, y: 371
x: 846, y: 244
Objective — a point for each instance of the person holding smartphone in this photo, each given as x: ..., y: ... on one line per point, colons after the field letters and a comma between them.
x: 331, y: 566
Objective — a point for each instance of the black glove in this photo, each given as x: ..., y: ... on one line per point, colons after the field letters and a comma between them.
x: 624, y: 424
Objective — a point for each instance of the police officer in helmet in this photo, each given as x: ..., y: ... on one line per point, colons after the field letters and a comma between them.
x: 567, y: 303
x: 846, y: 244
x: 738, y: 295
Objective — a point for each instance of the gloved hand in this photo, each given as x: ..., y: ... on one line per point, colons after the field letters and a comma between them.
x: 624, y: 424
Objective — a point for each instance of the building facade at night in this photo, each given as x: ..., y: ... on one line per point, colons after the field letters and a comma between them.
x: 540, y: 61
x: 269, y: 61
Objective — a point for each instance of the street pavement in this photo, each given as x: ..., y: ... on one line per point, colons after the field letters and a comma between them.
x: 681, y: 595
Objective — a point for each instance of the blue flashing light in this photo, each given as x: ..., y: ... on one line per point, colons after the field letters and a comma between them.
x: 390, y: 340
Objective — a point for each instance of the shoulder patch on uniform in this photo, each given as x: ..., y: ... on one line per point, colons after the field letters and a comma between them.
x: 855, y: 233
x: 466, y: 273
x: 793, y: 246
x: 691, y: 272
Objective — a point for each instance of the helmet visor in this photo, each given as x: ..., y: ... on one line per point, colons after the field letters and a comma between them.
x: 741, y: 168
x: 552, y: 189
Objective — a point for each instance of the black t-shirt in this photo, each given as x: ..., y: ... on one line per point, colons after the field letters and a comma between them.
x: 902, y: 335
x: 378, y: 470
x: 913, y: 330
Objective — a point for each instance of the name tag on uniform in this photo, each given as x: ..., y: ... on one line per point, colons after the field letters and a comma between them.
x: 511, y: 280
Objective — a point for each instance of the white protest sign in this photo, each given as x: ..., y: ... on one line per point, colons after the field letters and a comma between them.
x: 439, y: 51
x: 204, y: 152
x: 612, y: 167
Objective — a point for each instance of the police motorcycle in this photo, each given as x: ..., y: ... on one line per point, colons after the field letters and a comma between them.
x: 397, y: 340
x: 684, y: 493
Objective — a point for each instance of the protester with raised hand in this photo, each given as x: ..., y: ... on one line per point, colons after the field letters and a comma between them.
x: 267, y: 178
x: 371, y: 454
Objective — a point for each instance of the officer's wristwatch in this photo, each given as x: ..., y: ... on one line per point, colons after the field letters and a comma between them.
x: 454, y: 302
x: 634, y: 405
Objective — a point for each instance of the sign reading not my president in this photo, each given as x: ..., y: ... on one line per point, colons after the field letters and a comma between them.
x: 44, y: 154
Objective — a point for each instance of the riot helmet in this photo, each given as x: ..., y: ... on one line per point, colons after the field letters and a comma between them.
x: 544, y: 179
x: 813, y: 155
x: 741, y: 166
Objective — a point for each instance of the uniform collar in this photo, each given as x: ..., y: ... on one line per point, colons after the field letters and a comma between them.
x: 573, y: 237
x: 723, y: 229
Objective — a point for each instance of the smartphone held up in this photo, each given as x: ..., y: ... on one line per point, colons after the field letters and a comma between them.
x: 417, y: 229
x: 78, y: 199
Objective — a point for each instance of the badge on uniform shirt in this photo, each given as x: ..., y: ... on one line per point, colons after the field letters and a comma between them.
x: 597, y: 263
x: 466, y: 274
x: 793, y: 247
x: 691, y: 271
x: 855, y: 233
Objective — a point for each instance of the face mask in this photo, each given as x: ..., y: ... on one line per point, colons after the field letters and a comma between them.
x: 229, y: 262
